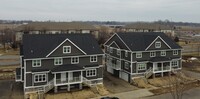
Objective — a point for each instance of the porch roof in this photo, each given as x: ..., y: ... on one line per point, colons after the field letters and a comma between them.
x: 40, y: 70
x: 94, y: 65
x: 67, y: 67
x: 159, y: 59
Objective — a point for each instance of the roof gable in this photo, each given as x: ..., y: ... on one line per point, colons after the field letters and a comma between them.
x: 114, y: 44
x: 164, y: 44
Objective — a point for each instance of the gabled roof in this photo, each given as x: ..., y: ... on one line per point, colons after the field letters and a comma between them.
x: 139, y: 41
x: 39, y: 46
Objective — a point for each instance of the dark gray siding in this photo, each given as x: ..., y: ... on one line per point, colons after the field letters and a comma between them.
x: 163, y: 45
x: 59, y: 51
x: 28, y: 79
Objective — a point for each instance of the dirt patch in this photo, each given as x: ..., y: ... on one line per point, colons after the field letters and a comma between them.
x: 83, y: 94
x: 141, y: 83
x: 100, y: 89
x: 7, y: 75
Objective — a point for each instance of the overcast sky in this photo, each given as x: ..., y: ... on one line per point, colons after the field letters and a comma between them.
x: 101, y: 10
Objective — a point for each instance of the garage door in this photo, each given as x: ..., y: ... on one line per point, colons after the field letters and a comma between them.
x: 124, y: 76
x: 110, y: 70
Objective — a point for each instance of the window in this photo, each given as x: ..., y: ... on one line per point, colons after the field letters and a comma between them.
x: 36, y: 63
x: 111, y: 50
x: 158, y: 44
x: 126, y: 53
x: 126, y: 65
x: 174, y: 63
x: 75, y: 60
x: 39, y: 78
x: 107, y: 49
x: 93, y: 58
x: 90, y: 72
x: 58, y: 61
x: 141, y: 66
x: 66, y: 49
x: 152, y: 54
x: 118, y: 52
x: 175, y: 52
x: 163, y: 53
x: 139, y: 55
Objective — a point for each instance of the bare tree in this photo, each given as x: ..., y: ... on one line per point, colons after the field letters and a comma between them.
x: 177, y: 85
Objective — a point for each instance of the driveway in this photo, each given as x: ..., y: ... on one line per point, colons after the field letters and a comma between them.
x: 116, y: 85
x: 9, y: 89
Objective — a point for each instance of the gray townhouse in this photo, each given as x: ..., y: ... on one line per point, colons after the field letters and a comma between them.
x: 60, y: 61
x: 141, y: 54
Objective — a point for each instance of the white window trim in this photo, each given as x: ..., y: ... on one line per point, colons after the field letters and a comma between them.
x: 126, y: 53
x: 66, y: 47
x: 111, y: 49
x: 140, y: 55
x: 152, y: 54
x: 161, y: 53
x: 108, y: 49
x: 141, y: 64
x: 94, y: 57
x: 38, y: 78
x: 175, y: 51
x: 74, y: 62
x: 157, y: 42
x: 90, y: 70
x: 118, y: 52
x: 126, y: 65
x: 177, y: 63
x: 36, y: 63
x: 61, y: 59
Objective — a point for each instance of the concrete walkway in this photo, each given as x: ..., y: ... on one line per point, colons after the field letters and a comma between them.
x: 131, y: 94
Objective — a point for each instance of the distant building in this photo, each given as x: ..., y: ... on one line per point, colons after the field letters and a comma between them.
x: 149, y: 27
x: 55, y: 28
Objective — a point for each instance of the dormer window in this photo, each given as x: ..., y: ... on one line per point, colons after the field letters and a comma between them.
x: 158, y: 44
x: 111, y: 50
x: 66, y: 49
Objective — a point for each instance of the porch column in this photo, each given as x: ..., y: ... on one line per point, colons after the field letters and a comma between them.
x: 162, y: 69
x: 55, y: 89
x: 80, y: 86
x: 54, y: 79
x: 81, y: 76
x: 68, y: 87
x: 68, y: 77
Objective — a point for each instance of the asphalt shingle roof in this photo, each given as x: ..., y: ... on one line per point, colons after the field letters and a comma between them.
x: 139, y: 41
x: 39, y: 46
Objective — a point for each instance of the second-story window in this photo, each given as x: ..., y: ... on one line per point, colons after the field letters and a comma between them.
x: 126, y: 65
x: 126, y: 53
x: 58, y: 61
x: 111, y: 49
x: 75, y: 60
x: 139, y: 55
x: 175, y: 52
x: 66, y: 49
x: 152, y: 54
x: 158, y: 44
x: 163, y: 53
x: 93, y: 58
x: 118, y: 52
x: 36, y: 63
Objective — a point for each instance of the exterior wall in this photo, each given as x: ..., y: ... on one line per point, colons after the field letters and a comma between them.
x: 163, y: 45
x: 99, y: 74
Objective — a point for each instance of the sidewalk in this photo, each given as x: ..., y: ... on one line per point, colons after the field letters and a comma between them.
x: 130, y: 95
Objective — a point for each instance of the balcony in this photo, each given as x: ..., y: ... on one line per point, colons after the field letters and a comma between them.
x: 115, y: 66
x: 71, y: 80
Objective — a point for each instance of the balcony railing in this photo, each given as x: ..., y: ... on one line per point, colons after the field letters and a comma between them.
x: 116, y: 66
x: 158, y: 69
x: 71, y: 80
x: 166, y: 67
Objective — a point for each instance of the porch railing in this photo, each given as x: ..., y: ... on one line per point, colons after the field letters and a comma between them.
x: 166, y: 67
x: 148, y: 73
x: 71, y: 80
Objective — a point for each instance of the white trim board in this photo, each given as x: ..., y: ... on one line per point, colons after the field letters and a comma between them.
x: 115, y: 44
x: 155, y: 40
x: 63, y: 43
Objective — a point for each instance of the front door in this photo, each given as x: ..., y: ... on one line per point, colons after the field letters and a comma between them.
x: 63, y: 77
x: 70, y: 76
x: 155, y: 66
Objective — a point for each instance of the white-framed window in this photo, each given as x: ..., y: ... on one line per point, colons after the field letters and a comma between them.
x: 111, y: 49
x: 118, y: 62
x: 126, y: 66
x: 93, y: 58
x: 158, y: 44
x: 91, y: 72
x: 58, y: 61
x: 141, y: 66
x: 36, y: 63
x: 118, y: 52
x: 175, y: 52
x: 74, y: 60
x: 174, y: 63
x: 152, y: 54
x: 163, y: 53
x: 107, y: 49
x: 40, y: 78
x: 126, y: 53
x: 139, y: 55
x: 66, y: 49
